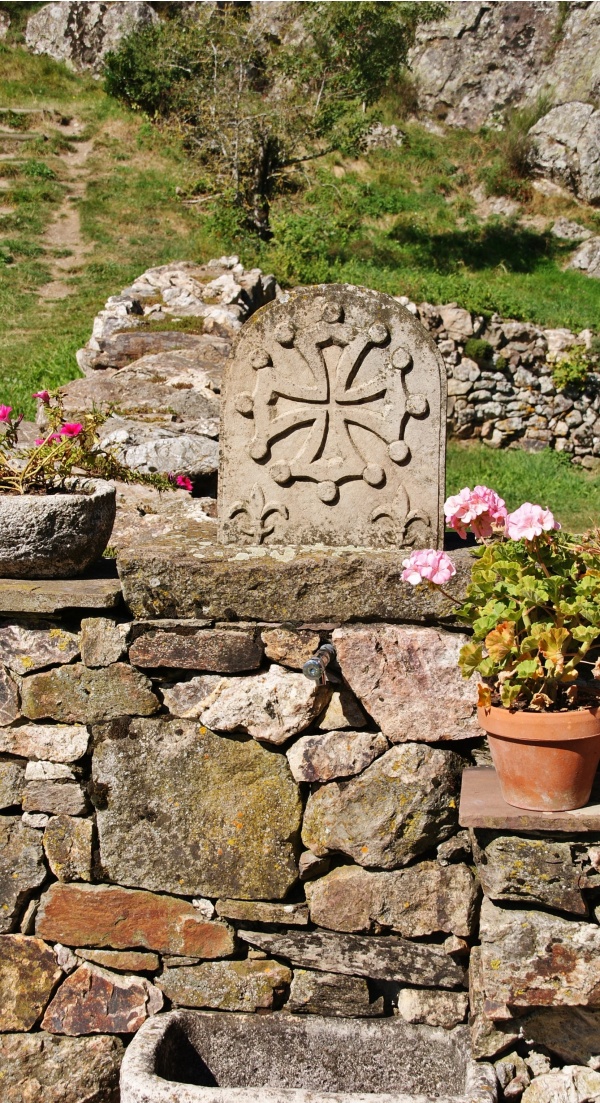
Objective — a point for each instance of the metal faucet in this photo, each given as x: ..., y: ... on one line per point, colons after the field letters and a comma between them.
x: 316, y: 667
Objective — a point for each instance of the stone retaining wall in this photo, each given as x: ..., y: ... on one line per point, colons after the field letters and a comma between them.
x: 188, y: 821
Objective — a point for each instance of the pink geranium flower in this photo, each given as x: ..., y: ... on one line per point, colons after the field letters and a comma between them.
x: 480, y: 508
x: 184, y: 482
x: 428, y: 565
x: 5, y: 412
x: 39, y: 441
x: 71, y: 429
x: 44, y: 396
x: 529, y: 521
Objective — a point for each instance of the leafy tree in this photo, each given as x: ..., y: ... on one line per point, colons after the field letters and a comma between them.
x: 253, y: 106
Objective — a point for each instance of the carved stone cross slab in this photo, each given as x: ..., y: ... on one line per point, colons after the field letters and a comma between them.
x: 333, y: 425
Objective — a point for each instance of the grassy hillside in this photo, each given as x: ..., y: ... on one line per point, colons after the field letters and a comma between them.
x: 92, y: 194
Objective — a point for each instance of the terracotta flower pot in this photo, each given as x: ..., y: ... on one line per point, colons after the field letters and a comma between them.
x: 545, y: 761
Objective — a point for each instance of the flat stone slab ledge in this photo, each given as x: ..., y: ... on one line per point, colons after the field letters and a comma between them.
x: 277, y: 583
x: 157, y: 1044
x: 482, y: 805
x: 55, y: 595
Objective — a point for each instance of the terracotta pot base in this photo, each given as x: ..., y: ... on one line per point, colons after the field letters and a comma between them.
x: 545, y: 762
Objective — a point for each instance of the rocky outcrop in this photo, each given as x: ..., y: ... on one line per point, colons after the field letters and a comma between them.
x: 565, y: 146
x: 81, y: 34
x: 482, y: 58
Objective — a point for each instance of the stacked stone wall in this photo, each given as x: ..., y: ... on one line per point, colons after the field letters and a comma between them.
x: 188, y: 821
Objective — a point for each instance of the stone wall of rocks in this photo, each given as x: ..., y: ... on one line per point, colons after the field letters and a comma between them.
x: 187, y: 821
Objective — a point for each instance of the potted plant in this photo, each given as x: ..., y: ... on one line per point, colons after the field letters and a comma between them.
x: 57, y: 508
x: 533, y: 604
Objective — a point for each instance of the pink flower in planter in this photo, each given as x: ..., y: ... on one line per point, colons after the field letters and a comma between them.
x: 480, y: 508
x: 5, y: 412
x: 184, y: 482
x: 40, y: 440
x: 71, y: 429
x: 428, y: 565
x: 43, y: 396
x: 529, y: 521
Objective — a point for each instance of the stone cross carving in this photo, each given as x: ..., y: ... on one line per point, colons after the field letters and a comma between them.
x: 333, y: 425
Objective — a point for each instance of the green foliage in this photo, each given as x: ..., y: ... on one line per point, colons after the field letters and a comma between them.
x: 253, y: 107
x: 535, y: 611
x: 38, y: 170
x: 507, y: 174
x: 479, y: 350
x: 572, y: 369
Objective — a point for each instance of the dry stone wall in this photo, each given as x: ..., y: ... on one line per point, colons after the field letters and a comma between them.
x: 187, y: 821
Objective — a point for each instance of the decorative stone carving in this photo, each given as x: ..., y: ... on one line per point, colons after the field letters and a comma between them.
x: 331, y: 429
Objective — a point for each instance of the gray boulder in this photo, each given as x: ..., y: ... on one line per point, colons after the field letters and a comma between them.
x: 566, y: 148
x: 81, y: 34
x: 587, y: 258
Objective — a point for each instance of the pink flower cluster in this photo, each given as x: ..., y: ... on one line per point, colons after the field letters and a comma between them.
x: 480, y: 508
x: 5, y: 412
x: 529, y: 521
x: 428, y: 565
x: 69, y: 429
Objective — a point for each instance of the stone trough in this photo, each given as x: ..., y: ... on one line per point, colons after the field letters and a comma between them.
x: 215, y: 1057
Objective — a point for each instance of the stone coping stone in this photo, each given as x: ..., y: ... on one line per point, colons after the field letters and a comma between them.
x: 280, y: 1058
x: 482, y: 805
x: 55, y: 595
x: 276, y: 583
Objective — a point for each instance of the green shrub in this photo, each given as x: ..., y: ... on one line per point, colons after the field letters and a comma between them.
x: 479, y: 350
x: 572, y: 369
x: 38, y: 170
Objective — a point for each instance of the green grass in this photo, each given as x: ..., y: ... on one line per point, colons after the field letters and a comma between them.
x: 546, y: 478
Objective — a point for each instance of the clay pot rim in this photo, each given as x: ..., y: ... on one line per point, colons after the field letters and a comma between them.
x: 540, y: 727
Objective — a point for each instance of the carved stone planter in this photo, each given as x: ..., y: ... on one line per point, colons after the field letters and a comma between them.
x: 208, y: 1057
x: 55, y: 535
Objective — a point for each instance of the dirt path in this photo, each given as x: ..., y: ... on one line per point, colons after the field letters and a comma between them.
x: 64, y: 233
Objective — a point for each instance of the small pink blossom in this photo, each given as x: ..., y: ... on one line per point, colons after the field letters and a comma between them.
x: 428, y: 565
x: 5, y: 412
x: 480, y: 508
x: 529, y: 521
x: 184, y: 482
x: 40, y: 440
x: 71, y: 429
x: 44, y: 396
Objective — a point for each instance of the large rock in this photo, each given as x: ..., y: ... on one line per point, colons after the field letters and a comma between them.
x: 95, y: 1001
x: 571, y: 1033
x: 587, y: 258
x: 408, y: 680
x: 188, y: 811
x: 566, y: 147
x: 568, y: 1085
x: 68, y: 848
x: 334, y: 754
x: 75, y: 694
x: 297, y: 584
x: 146, y: 516
x: 531, y: 959
x: 541, y: 871
x: 288, y: 647
x: 103, y: 641
x: 22, y: 868
x: 480, y: 60
x: 29, y: 973
x: 148, y: 448
x: 42, y: 1068
x: 331, y: 994
x: 24, y: 649
x: 58, y: 798
x: 213, y: 649
x: 46, y: 742
x: 400, y: 806
x: 12, y: 775
x: 226, y: 985
x: 82, y: 34
x: 422, y: 900
x: 380, y: 958
x: 106, y: 915
x: 270, y: 707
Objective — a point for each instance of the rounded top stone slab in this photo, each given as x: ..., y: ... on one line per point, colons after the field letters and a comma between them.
x: 332, y: 429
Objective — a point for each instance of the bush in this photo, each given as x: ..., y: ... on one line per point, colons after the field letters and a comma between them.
x: 480, y: 351
x: 572, y: 369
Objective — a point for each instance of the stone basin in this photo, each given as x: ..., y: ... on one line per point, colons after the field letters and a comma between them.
x: 220, y: 1057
